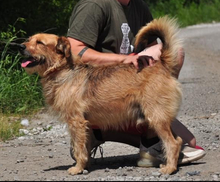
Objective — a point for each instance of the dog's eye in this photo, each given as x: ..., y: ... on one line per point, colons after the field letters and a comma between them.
x: 39, y: 42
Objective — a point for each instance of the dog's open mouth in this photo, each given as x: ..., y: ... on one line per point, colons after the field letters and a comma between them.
x: 29, y: 62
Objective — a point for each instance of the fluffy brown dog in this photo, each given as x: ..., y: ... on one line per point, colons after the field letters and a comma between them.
x: 109, y: 96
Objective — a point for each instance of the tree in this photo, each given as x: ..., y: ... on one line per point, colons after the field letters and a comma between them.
x: 41, y: 16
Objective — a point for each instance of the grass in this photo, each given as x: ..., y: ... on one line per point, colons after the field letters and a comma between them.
x: 9, y: 127
x: 204, y: 12
x: 19, y: 92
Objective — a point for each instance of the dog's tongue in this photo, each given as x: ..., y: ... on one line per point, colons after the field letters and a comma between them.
x: 24, y: 64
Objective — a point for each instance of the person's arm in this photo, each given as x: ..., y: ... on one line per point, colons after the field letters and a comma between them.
x: 97, y: 58
x: 94, y: 57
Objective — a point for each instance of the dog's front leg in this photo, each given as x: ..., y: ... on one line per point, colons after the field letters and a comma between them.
x: 79, y: 133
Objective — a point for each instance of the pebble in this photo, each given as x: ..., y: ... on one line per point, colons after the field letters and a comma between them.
x: 127, y: 173
x: 23, y: 132
x: 85, y: 171
x: 193, y: 173
x: 156, y: 174
x: 20, y: 160
x: 51, y: 156
x: 25, y: 122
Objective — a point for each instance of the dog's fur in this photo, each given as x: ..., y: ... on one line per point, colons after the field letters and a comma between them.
x: 110, y: 96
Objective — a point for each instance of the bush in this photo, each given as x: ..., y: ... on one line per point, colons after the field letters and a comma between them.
x: 9, y: 129
x: 188, y: 12
x: 50, y: 16
x: 19, y: 92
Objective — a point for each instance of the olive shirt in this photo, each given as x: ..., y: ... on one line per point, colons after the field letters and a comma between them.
x: 108, y: 26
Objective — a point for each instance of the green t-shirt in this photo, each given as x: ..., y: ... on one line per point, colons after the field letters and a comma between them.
x: 106, y: 25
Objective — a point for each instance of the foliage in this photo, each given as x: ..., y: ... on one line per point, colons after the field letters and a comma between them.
x: 8, y: 128
x: 53, y: 16
x: 41, y: 15
x: 15, y: 84
x: 188, y: 12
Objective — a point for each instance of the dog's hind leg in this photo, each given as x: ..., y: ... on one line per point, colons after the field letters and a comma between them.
x: 79, y: 133
x: 171, y: 146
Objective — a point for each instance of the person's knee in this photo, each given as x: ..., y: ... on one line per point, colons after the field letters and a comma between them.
x: 192, y: 142
x: 181, y: 57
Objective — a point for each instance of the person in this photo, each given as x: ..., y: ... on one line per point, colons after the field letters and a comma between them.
x: 102, y: 32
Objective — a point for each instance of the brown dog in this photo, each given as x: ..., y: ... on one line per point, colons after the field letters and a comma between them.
x: 109, y: 96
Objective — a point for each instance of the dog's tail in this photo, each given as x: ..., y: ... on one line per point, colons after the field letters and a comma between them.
x: 166, y: 30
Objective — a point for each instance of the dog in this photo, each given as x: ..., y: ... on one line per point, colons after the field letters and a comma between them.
x: 114, y: 96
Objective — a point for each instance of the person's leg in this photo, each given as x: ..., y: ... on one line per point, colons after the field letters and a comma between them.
x: 187, y: 137
x: 133, y: 137
x: 149, y: 156
x: 181, y: 57
x: 177, y: 127
x: 121, y: 137
x: 151, y: 153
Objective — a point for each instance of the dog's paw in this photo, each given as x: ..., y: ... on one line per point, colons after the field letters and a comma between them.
x: 164, y: 169
x: 162, y: 165
x: 75, y: 170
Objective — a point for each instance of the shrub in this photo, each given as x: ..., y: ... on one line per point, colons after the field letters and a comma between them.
x: 19, y: 92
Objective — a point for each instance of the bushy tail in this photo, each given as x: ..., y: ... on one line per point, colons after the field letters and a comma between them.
x: 166, y: 29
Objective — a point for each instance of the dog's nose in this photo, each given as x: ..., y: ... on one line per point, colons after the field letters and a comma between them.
x: 21, y: 47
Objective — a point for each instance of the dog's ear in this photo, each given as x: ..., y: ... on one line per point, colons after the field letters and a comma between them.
x: 63, y: 47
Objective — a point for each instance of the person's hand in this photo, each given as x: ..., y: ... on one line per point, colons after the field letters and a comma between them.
x: 147, y: 57
x: 139, y: 61
x: 132, y: 59
x: 153, y: 51
x: 144, y: 61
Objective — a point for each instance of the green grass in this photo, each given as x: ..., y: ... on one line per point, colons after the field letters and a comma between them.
x: 204, y: 12
x: 9, y: 128
x: 19, y: 92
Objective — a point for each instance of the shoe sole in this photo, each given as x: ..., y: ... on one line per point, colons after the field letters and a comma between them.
x: 192, y: 159
x: 147, y: 160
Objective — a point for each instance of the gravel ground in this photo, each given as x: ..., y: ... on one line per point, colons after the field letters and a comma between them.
x: 43, y: 153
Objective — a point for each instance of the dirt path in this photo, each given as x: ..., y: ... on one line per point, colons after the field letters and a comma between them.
x: 43, y: 154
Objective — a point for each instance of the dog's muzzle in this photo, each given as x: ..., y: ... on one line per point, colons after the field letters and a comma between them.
x: 28, y: 60
x: 21, y: 47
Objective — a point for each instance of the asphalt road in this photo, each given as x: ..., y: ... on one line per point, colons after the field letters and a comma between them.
x: 200, y: 75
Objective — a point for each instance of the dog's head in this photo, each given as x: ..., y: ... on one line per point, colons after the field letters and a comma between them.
x: 45, y: 53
